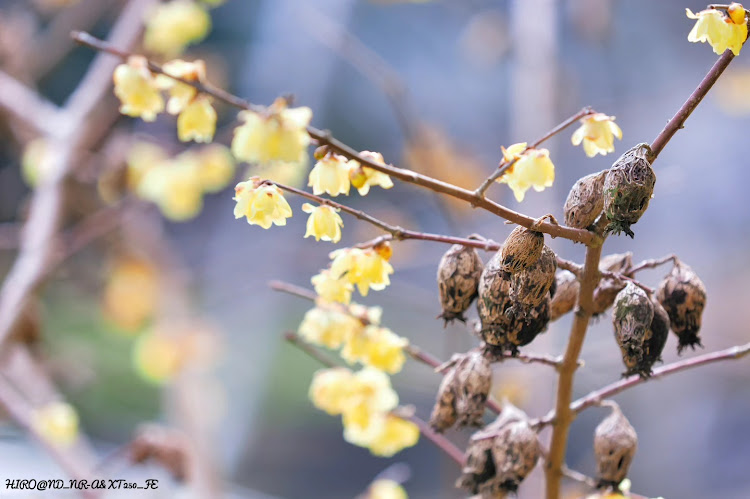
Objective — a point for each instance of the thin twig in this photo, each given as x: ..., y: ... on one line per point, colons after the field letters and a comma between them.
x: 652, y: 263
x: 310, y: 350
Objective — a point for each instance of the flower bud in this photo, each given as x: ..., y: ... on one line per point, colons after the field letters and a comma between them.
x: 458, y: 279
x: 615, y: 443
x: 606, y: 291
x: 683, y: 296
x: 585, y: 201
x: 628, y: 187
x: 632, y: 316
x: 463, y: 392
x: 521, y: 249
x: 566, y: 294
x: 531, y: 286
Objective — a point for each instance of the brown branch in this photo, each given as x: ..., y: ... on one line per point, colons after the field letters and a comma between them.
x: 310, y: 350
x: 652, y: 263
x: 325, y: 138
x: 27, y: 106
x: 504, y: 166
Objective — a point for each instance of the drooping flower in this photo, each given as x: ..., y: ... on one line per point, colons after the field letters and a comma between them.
x: 141, y: 158
x: 328, y: 327
x: 397, y: 434
x: 175, y: 187
x: 263, y: 204
x: 323, y: 223
x: 532, y: 168
x: 173, y: 25
x: 597, y: 132
x: 377, y: 347
x: 332, y: 288
x: 197, y: 121
x: 384, y: 488
x: 279, y: 135
x: 56, y: 423
x: 330, y: 389
x: 180, y: 94
x: 364, y: 267
x: 136, y: 88
x: 216, y: 167
x: 363, y: 177
x: 721, y: 31
x: 330, y: 174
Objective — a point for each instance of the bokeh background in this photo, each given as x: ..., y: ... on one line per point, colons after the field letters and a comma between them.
x: 437, y: 86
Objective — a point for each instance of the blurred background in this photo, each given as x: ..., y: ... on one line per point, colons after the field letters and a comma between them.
x: 437, y: 86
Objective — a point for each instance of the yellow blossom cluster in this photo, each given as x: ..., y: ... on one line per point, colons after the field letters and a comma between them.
x: 172, y: 26
x: 335, y: 174
x: 56, y: 423
x: 261, y: 203
x: 597, y: 133
x: 532, y: 168
x: 364, y: 400
x: 722, y: 30
x: 177, y: 184
x: 366, y: 268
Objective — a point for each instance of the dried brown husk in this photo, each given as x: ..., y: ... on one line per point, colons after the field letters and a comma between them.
x: 168, y: 447
x: 683, y: 296
x: 632, y: 316
x: 463, y: 392
x: 585, y: 201
x: 607, y: 289
x: 628, y: 187
x: 615, y: 444
x: 531, y: 286
x: 458, y: 279
x: 566, y: 294
x: 521, y: 249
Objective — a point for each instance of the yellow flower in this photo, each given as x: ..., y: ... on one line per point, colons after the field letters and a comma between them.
x: 370, y: 315
x: 721, y: 31
x: 386, y: 489
x: 323, y: 223
x: 142, y: 157
x: 157, y: 357
x: 330, y: 389
x: 131, y: 294
x: 280, y: 135
x: 180, y: 94
x: 397, y: 435
x: 532, y: 168
x: 197, y: 121
x: 365, y: 268
x: 262, y: 204
x: 372, y: 388
x: 56, y: 423
x: 377, y: 347
x: 216, y: 167
x: 362, y: 177
x: 172, y: 26
x: 330, y: 174
x: 175, y: 186
x: 331, y: 288
x: 597, y: 132
x: 136, y: 88
x: 328, y: 327
x: 35, y: 165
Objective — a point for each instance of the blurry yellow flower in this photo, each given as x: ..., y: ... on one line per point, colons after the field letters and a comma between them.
x: 386, y: 489
x: 323, y: 223
x: 372, y: 388
x: 173, y: 25
x: 721, y: 31
x: 532, y: 168
x: 157, y: 357
x: 362, y: 177
x: 216, y: 167
x: 131, y: 294
x: 369, y: 315
x: 328, y: 327
x: 331, y: 288
x: 292, y: 174
x: 142, y: 157
x: 597, y: 132
x: 56, y: 423
x: 365, y: 268
x: 377, y: 347
x: 136, y: 88
x: 35, y: 164
x: 175, y: 186
x: 330, y: 389
x: 197, y: 121
x: 280, y: 135
x: 262, y: 204
x: 397, y: 435
x: 330, y: 174
x: 180, y: 94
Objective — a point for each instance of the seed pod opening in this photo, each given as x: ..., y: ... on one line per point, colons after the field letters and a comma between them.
x: 566, y: 294
x: 521, y: 249
x: 632, y: 316
x: 607, y: 289
x: 628, y: 187
x: 585, y: 201
x: 531, y: 286
x: 615, y: 444
x: 463, y: 392
x: 458, y: 279
x: 683, y: 296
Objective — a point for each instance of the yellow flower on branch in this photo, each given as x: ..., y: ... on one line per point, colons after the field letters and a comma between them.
x: 328, y: 327
x: 332, y: 288
x: 180, y: 94
x: 262, y: 204
x: 330, y: 389
x: 364, y: 267
x: 330, y: 174
x: 56, y: 423
x: 363, y: 177
x: 136, y: 88
x: 323, y: 223
x: 197, y: 121
x: 172, y: 26
x: 338, y: 390
x: 175, y: 186
x: 597, y: 132
x: 721, y: 31
x: 216, y: 167
x: 397, y: 434
x: 386, y: 489
x: 532, y: 168
x: 377, y: 347
x: 141, y: 158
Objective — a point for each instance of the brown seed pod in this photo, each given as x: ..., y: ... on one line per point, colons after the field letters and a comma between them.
x: 494, y: 293
x: 615, y: 443
x: 458, y: 278
x: 632, y: 316
x: 166, y: 446
x: 531, y: 286
x: 566, y: 294
x: 606, y: 291
x: 585, y: 201
x: 628, y: 187
x: 521, y: 249
x: 463, y: 392
x: 683, y: 296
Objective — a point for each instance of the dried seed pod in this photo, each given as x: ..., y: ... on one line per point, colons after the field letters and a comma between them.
x: 458, y: 279
x: 659, y: 333
x: 683, y: 296
x: 531, y: 286
x: 628, y: 187
x: 494, y: 293
x: 463, y: 392
x: 585, y: 201
x: 566, y: 294
x: 606, y: 291
x: 166, y: 446
x: 632, y: 316
x: 521, y: 249
x: 615, y: 443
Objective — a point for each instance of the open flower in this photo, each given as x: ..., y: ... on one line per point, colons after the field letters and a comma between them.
x: 332, y: 288
x: 597, y: 132
x: 532, y: 168
x: 56, y: 423
x: 329, y: 328
x: 397, y: 434
x: 330, y: 174
x: 262, y: 204
x: 323, y: 223
x: 377, y: 347
x: 330, y: 389
x: 722, y: 31
x: 136, y: 88
x: 338, y: 391
x: 363, y: 177
x: 180, y: 94
x: 172, y: 26
x: 364, y: 267
x: 197, y: 121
